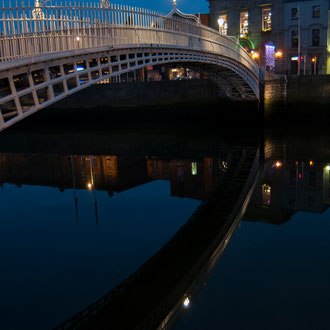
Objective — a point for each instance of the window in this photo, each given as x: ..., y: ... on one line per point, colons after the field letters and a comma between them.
x: 244, y: 23
x: 266, y: 19
x: 165, y: 168
x: 194, y: 168
x: 316, y: 11
x: 266, y: 194
x: 294, y: 38
x: 316, y: 37
x: 223, y: 26
x: 154, y: 166
x: 294, y: 13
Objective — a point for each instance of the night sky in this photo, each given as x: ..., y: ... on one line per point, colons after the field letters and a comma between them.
x: 163, y: 6
x: 187, y: 6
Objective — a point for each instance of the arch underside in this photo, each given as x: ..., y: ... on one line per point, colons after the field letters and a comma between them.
x: 42, y: 87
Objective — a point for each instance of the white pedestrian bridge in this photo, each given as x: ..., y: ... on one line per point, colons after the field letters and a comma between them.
x: 50, y: 51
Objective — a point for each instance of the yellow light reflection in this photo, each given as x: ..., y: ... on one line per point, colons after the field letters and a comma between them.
x: 186, y: 302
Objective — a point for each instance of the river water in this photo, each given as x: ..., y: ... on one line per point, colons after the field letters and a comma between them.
x: 80, y: 212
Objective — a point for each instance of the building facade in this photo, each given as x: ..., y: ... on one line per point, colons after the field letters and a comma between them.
x: 269, y: 30
x: 313, y: 46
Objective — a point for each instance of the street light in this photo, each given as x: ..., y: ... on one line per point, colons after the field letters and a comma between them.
x: 255, y: 55
x: 221, y: 22
x: 279, y: 54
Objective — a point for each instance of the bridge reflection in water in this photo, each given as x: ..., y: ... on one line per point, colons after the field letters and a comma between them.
x: 158, y: 292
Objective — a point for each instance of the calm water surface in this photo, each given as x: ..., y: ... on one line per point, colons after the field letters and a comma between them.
x: 52, y: 267
x: 74, y: 225
x: 275, y: 274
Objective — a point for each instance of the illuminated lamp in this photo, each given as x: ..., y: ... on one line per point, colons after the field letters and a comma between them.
x: 313, y: 59
x: 279, y: 54
x: 278, y: 164
x: 255, y: 55
x: 186, y: 302
x: 221, y: 21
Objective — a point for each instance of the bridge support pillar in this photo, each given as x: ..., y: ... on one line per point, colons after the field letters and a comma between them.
x: 34, y: 93
x: 16, y: 99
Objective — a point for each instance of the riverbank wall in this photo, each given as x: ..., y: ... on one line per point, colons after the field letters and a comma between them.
x: 307, y: 97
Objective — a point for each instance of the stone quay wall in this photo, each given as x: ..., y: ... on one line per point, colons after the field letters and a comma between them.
x: 306, y: 96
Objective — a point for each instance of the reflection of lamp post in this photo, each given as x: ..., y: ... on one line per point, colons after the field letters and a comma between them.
x: 221, y: 22
x: 91, y: 186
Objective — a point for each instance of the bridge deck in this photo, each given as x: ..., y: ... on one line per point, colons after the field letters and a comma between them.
x: 148, y: 296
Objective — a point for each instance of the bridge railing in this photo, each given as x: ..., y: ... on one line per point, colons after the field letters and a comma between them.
x: 27, y: 31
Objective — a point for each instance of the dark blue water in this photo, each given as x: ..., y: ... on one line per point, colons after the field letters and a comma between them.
x: 63, y: 244
x: 52, y: 267
x: 275, y: 273
x: 270, y: 277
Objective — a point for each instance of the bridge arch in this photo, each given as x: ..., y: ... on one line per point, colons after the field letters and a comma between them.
x: 51, y: 62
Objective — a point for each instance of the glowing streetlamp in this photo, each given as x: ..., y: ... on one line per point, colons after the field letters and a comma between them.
x: 279, y: 54
x: 186, y: 302
x: 278, y: 164
x: 221, y: 22
x: 255, y: 55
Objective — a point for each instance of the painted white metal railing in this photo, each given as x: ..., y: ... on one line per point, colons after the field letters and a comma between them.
x: 76, y: 26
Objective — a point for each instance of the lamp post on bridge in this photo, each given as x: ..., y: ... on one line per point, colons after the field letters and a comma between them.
x: 221, y: 22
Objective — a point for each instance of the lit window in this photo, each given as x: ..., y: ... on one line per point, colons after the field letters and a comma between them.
x: 316, y: 37
x: 316, y: 11
x: 223, y: 26
x: 244, y: 23
x: 194, y: 168
x: 266, y: 19
x: 294, y: 13
x: 266, y: 194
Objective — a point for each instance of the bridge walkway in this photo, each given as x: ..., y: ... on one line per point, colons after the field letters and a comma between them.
x: 148, y: 296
